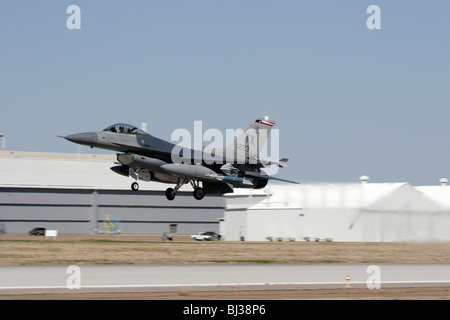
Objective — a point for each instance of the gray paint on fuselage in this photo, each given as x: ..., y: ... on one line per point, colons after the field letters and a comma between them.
x: 134, y: 143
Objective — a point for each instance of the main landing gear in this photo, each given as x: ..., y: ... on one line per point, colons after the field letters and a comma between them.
x: 199, y: 192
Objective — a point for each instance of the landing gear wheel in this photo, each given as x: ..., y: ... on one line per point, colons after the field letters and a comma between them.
x: 170, y: 194
x: 135, y: 186
x: 199, y: 193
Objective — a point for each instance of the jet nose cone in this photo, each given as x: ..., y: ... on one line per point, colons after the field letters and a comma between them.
x: 87, y: 138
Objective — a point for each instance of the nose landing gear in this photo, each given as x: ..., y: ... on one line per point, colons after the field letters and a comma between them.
x: 135, y: 186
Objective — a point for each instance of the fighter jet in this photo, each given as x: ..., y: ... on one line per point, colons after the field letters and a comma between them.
x: 144, y: 157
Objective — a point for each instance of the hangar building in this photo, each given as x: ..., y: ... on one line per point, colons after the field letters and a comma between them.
x: 78, y: 193
x: 368, y: 212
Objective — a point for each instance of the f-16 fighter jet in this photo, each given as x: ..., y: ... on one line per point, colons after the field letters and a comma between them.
x: 147, y: 158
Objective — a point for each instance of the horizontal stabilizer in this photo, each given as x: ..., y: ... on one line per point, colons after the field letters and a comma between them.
x: 282, y: 163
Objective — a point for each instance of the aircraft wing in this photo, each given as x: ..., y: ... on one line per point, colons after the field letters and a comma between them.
x: 264, y: 176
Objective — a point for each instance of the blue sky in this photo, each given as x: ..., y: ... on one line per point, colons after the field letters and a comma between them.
x: 348, y: 100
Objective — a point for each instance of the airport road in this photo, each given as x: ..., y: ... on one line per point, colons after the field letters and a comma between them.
x: 117, y: 278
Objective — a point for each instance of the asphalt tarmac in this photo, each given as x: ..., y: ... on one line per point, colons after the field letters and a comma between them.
x: 160, y: 278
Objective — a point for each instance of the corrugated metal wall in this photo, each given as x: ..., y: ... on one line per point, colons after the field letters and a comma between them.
x: 90, y: 211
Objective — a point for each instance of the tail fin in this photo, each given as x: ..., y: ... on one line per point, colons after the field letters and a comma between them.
x: 249, y: 144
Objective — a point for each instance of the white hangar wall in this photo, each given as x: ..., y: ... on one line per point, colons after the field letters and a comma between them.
x: 372, y: 212
x: 76, y: 193
x: 73, y: 193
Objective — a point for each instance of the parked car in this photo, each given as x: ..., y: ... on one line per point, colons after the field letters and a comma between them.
x: 202, y: 236
x: 214, y: 235
x: 37, y: 232
x: 206, y: 236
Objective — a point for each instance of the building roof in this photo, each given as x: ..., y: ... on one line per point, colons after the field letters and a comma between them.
x: 370, y: 196
x: 62, y: 170
x: 440, y: 194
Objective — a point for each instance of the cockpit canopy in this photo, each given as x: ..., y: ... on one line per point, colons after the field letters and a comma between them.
x: 124, y: 129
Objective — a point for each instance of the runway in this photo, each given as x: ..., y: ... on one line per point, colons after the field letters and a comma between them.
x: 121, y: 278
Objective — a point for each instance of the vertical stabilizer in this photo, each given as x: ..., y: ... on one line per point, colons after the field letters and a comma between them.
x: 250, y: 143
